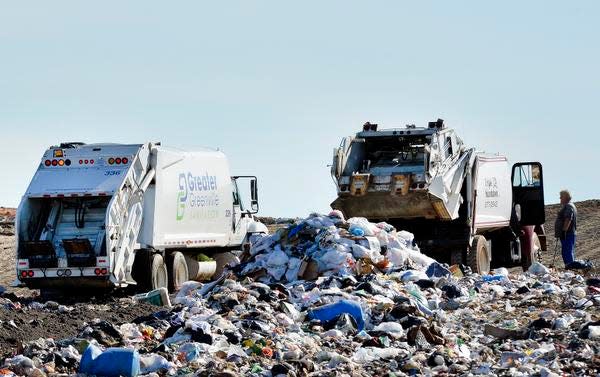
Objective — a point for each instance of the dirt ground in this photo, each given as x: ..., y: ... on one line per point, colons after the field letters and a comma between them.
x: 7, y: 260
x: 21, y: 322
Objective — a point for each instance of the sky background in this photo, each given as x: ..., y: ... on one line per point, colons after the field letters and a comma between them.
x: 277, y: 84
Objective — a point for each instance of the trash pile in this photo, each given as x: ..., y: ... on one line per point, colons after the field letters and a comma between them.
x: 329, y: 245
x: 371, y: 310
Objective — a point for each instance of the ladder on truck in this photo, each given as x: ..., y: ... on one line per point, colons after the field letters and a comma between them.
x: 124, y: 217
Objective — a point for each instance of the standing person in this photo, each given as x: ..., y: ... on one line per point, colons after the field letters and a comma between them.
x: 565, y: 227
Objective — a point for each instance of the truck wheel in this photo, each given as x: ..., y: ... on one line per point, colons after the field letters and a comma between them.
x: 178, y: 271
x: 478, y: 256
x: 533, y: 254
x: 159, y: 277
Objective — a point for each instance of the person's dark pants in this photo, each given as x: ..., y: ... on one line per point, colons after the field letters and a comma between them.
x: 568, y: 248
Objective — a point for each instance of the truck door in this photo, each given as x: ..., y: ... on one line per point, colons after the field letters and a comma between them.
x: 528, y: 192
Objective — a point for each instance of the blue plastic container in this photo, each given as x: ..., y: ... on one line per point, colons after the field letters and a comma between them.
x: 492, y: 278
x: 113, y: 362
x: 332, y: 311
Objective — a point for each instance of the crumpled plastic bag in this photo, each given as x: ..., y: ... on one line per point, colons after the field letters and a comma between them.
x: 276, y: 263
x: 537, y: 268
x: 368, y: 228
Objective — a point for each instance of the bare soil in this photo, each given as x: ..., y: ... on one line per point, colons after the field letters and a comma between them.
x: 20, y: 322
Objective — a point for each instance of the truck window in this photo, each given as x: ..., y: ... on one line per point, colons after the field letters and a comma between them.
x: 527, y: 176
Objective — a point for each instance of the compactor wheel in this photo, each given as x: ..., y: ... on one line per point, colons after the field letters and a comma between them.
x: 159, y: 277
x: 478, y: 256
x: 178, y: 271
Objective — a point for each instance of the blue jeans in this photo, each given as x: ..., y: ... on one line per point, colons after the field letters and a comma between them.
x: 568, y: 248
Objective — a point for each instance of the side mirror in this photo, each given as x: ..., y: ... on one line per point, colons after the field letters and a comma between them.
x: 254, y: 194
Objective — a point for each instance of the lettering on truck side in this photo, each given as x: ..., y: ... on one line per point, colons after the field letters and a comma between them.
x: 197, y: 196
x: 491, y: 191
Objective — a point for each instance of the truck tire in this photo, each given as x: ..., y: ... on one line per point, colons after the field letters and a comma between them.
x: 478, y: 257
x: 178, y: 270
x: 159, y: 277
x: 534, y: 253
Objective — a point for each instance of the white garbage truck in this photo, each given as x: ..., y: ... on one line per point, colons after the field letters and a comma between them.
x: 463, y: 205
x: 117, y: 215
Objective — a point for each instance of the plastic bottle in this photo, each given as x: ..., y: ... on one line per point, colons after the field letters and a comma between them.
x: 112, y: 362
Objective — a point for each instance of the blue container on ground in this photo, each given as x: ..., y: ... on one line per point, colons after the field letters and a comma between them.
x: 113, y: 362
x: 332, y: 311
x: 492, y: 278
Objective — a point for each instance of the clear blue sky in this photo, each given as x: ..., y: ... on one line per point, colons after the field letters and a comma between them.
x: 277, y: 84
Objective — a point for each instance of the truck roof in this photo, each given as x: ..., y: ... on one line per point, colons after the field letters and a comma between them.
x: 419, y: 131
x: 77, y: 169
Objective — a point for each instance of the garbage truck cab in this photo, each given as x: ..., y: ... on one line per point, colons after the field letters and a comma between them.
x: 115, y: 215
x: 464, y: 206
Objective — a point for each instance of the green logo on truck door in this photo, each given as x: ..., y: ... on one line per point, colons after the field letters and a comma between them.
x: 199, y: 193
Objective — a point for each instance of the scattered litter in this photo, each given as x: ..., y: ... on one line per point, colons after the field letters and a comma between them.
x: 326, y: 296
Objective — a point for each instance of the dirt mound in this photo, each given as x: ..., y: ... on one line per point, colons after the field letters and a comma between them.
x: 24, y: 319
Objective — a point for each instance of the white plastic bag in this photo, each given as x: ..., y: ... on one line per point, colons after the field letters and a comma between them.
x: 537, y: 268
x: 367, y: 227
x: 394, y: 329
x: 397, y: 256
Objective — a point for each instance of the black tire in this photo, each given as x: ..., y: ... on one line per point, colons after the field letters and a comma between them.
x: 159, y: 276
x: 478, y: 257
x: 178, y: 271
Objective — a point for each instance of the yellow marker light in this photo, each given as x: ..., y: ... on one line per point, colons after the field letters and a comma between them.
x: 58, y: 153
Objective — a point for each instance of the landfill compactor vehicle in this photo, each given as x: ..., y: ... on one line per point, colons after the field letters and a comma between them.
x: 463, y: 206
x: 115, y: 215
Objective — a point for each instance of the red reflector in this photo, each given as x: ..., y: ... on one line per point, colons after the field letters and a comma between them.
x: 87, y: 161
x: 125, y: 160
x: 30, y: 273
x: 22, y: 263
x: 24, y: 274
x: 54, y: 162
x: 47, y: 196
x: 97, y: 271
x: 47, y: 162
x: 118, y: 160
x: 101, y: 260
x: 104, y: 271
x: 80, y: 162
x: 92, y: 162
